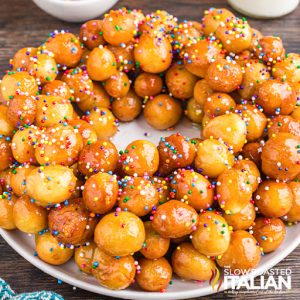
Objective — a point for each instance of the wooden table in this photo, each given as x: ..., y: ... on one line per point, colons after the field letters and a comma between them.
x: 23, y: 24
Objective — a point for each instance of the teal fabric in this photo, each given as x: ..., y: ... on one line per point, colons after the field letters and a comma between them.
x: 6, y: 293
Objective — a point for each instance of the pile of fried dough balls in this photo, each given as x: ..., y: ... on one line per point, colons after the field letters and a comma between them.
x: 187, y: 206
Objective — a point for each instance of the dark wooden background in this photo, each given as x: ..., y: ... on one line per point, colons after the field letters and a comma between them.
x: 22, y: 24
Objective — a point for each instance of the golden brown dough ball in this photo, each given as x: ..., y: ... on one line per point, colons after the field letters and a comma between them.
x: 294, y: 214
x: 18, y: 178
x: 113, y: 273
x: 163, y: 188
x: 256, y: 36
x: 153, y: 54
x: 50, y: 185
x: 154, y: 275
x: 180, y: 81
x: 194, y: 111
x: 5, y: 177
x: 100, y: 156
x: 234, y: 190
x: 212, y: 235
x: 100, y: 192
x: 253, y: 151
x: 6, y: 127
x: 242, y: 254
x: 71, y: 223
x: 213, y: 17
x: 280, y: 156
x: 201, y: 91
x: 7, y: 202
x: 124, y: 56
x: 218, y: 104
x: 273, y: 199
x: 101, y: 64
x: 138, y: 195
x: 174, y: 219
x: 283, y: 124
x: 198, y: 56
x: 91, y: 34
x: 224, y: 75
x: 120, y: 234
x: 6, y: 157
x: 18, y: 83
x: 50, y: 251
x: 29, y: 217
x: 21, y: 59
x: 127, y: 108
x: 296, y: 113
x: 57, y: 88
x: 83, y: 257
x: 65, y: 47
x: 175, y: 151
x: 213, y: 157
x: 243, y: 219
x: 162, y: 112
x: 270, y: 49
x: 104, y: 123
x: 269, y: 232
x: 147, y: 85
x: 155, y: 246
x: 87, y: 132
x: 140, y: 157
x: 117, y: 85
x: 192, y: 188
x: 230, y: 128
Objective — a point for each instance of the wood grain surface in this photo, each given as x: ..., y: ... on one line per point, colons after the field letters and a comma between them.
x: 22, y: 24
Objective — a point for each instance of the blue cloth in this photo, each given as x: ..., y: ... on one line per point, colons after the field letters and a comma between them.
x: 6, y: 293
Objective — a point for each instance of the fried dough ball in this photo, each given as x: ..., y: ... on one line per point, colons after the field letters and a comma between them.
x: 234, y: 189
x: 201, y: 91
x: 117, y: 85
x: 59, y: 145
x: 199, y: 56
x: 91, y: 34
x: 101, y: 64
x: 174, y: 219
x: 153, y: 54
x: 51, y: 251
x: 213, y: 17
x: 276, y: 97
x: 294, y: 214
x: 83, y: 257
x: 175, y: 151
x: 224, y: 76
x: 104, y: 123
x: 100, y: 192
x: 194, y: 111
x: 284, y: 124
x: 273, y: 199
x: 65, y: 47
x: 192, y: 188
x: 113, y: 273
x: 280, y: 156
x: 180, y: 81
x: 242, y: 254
x: 100, y: 156
x: 18, y: 178
x: 253, y: 151
x: 127, y: 108
x: 5, y: 177
x: 155, y: 246
x: 71, y: 222
x: 7, y: 202
x: 29, y: 217
x: 57, y: 88
x: 296, y: 113
x: 163, y: 188
x: 213, y: 157
x: 270, y: 49
x: 98, y: 98
x: 162, y: 112
x: 256, y: 36
x: 50, y: 185
x: 18, y: 83
x: 43, y: 67
x: 212, y: 235
x: 138, y: 195
x: 124, y: 56
x: 120, y: 234
x: 243, y: 219
x: 230, y: 128
x: 147, y: 85
x: 87, y: 132
x: 154, y: 275
x: 21, y: 59
x: 140, y: 157
x: 79, y: 82
x: 6, y: 127
x: 269, y: 232
x: 6, y: 157
x: 218, y: 104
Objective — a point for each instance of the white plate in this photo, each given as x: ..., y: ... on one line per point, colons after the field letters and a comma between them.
x: 180, y: 289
